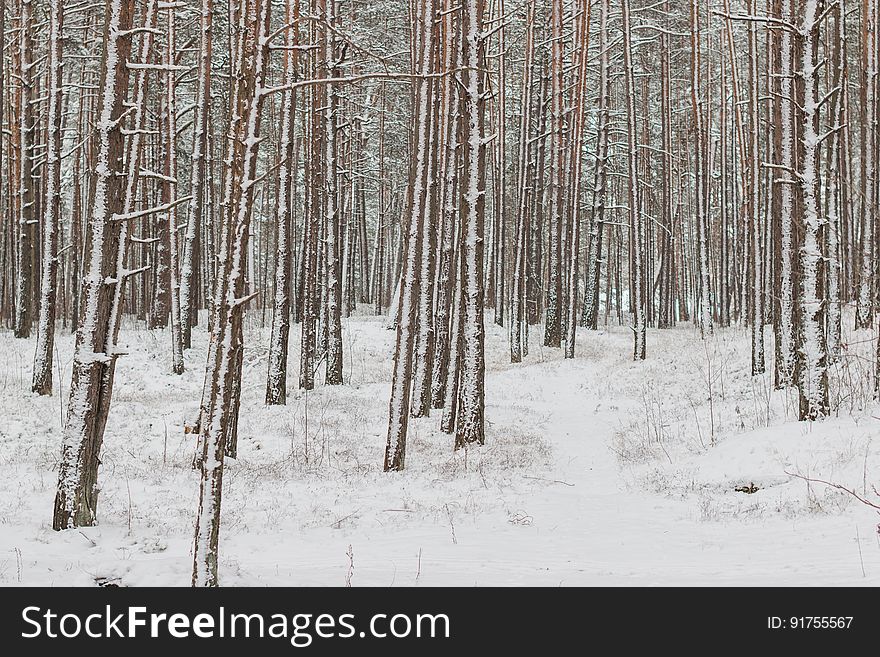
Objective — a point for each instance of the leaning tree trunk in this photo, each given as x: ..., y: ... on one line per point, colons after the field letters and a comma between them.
x: 222, y: 408
x: 94, y: 357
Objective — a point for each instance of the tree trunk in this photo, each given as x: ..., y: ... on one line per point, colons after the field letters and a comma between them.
x: 189, y: 279
x: 42, y: 381
x: 276, y: 381
x: 469, y: 427
x: 407, y: 313
x: 26, y: 127
x: 246, y: 97
x: 635, y: 214
x: 94, y: 357
x: 813, y: 380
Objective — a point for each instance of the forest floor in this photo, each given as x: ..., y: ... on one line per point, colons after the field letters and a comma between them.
x: 596, y: 471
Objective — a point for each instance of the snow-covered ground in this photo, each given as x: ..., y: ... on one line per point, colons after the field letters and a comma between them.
x: 596, y: 471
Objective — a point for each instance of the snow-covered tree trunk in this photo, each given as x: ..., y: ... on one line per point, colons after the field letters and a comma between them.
x: 191, y: 245
x: 363, y: 255
x: 741, y: 167
x: 276, y: 380
x: 311, y: 299
x: 6, y: 233
x: 834, y: 195
x: 447, y: 277
x: 667, y: 228
x: 42, y: 381
x: 754, y: 201
x: 499, y: 232
x: 383, y: 230
x: 701, y: 173
x: 867, y: 284
x: 252, y: 55
x: 333, y: 238
x: 633, y: 200
x: 408, y: 303
x: 518, y: 326
x: 425, y: 322
x: 535, y: 264
x: 26, y: 202
x: 91, y: 381
x: 600, y: 184
x: 133, y: 157
x: 469, y: 425
x: 813, y: 380
x: 160, y: 308
x: 237, y: 25
x: 785, y: 356
x: 169, y: 188
x: 581, y: 49
x: 874, y: 145
x: 453, y: 372
x: 553, y: 319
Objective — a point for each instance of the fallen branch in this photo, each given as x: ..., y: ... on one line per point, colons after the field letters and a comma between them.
x: 552, y: 481
x: 840, y: 487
